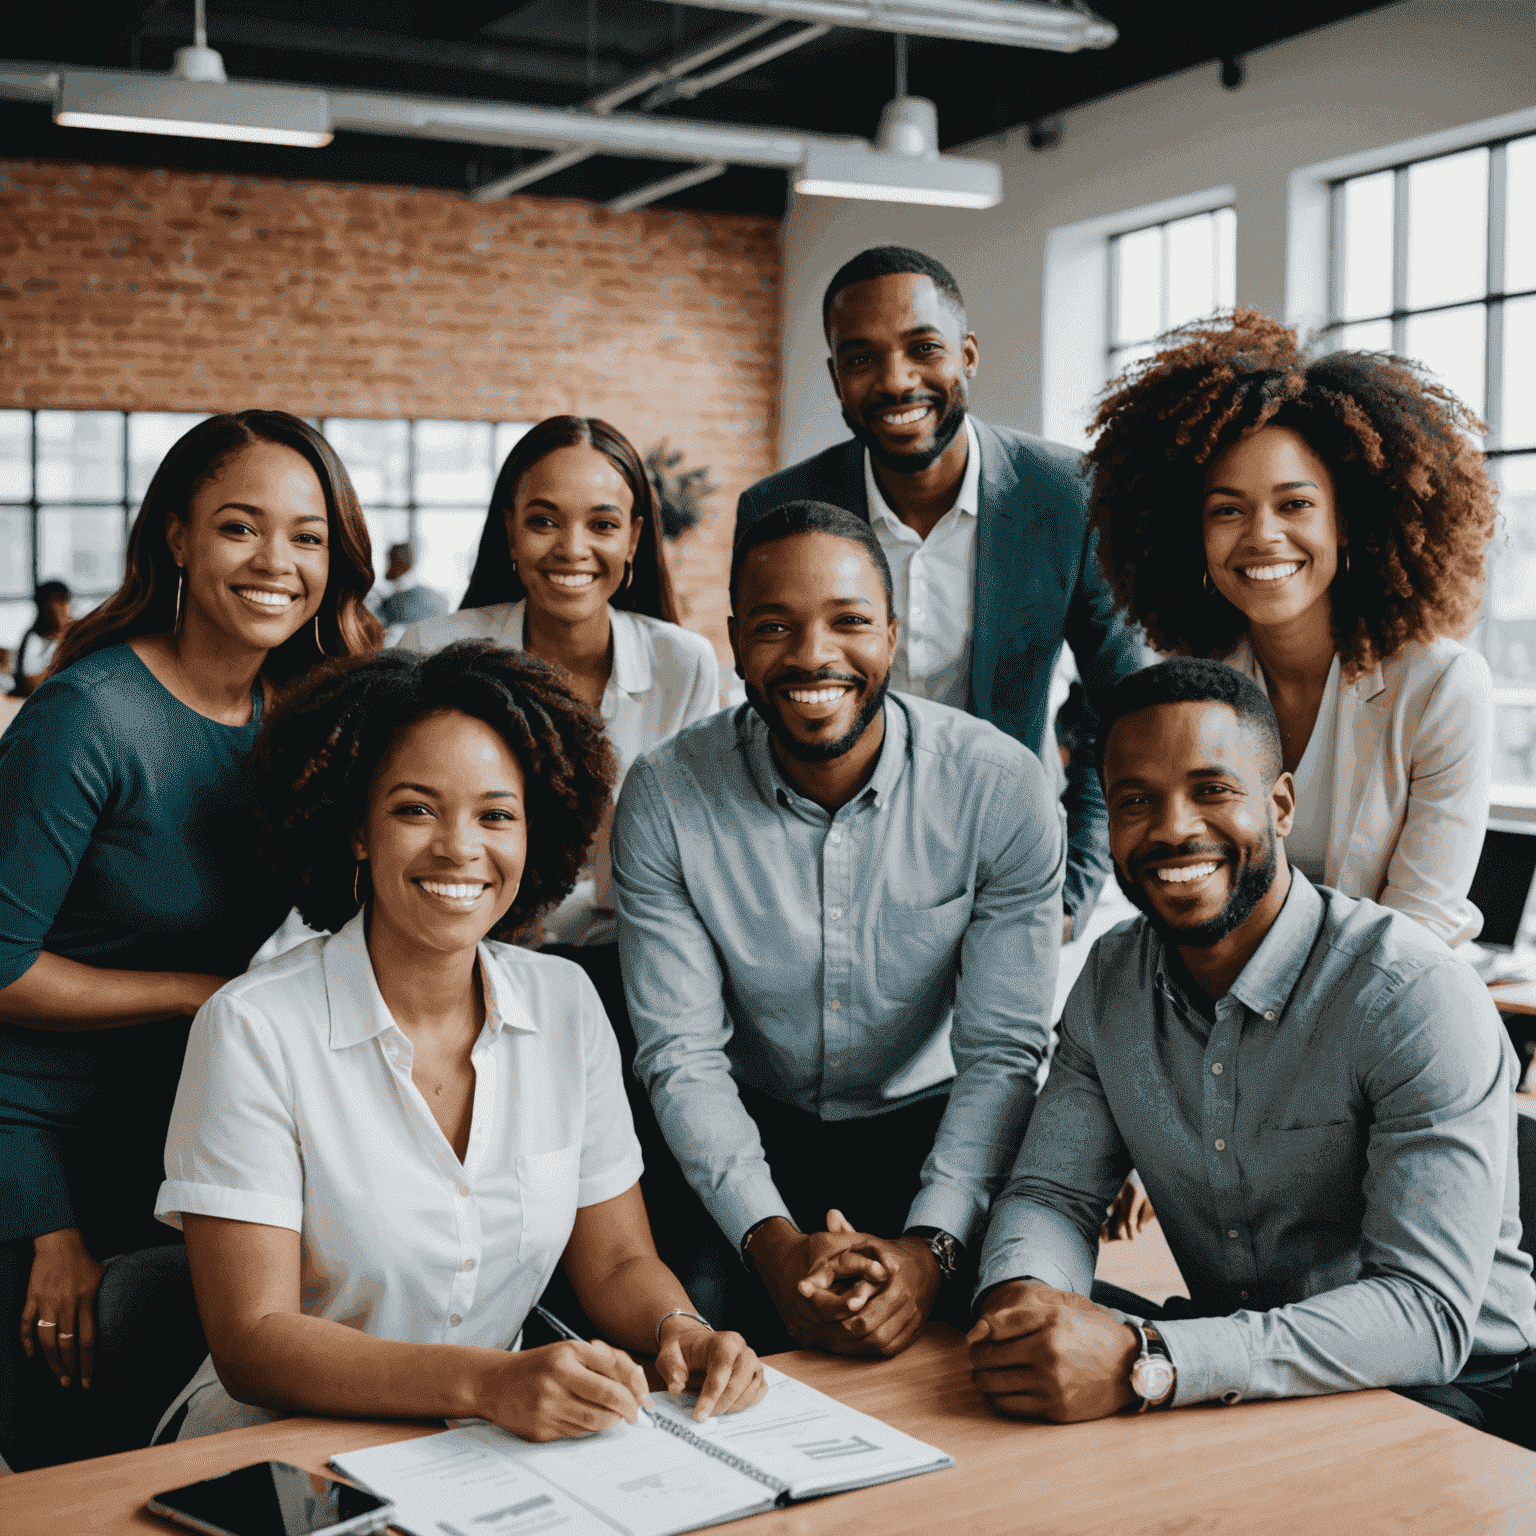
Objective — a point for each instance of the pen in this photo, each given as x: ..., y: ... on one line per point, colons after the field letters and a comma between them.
x: 571, y: 1334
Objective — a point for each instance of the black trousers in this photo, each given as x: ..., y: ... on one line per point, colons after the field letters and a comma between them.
x: 1497, y: 1397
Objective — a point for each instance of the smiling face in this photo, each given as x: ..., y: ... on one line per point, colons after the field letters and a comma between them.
x: 571, y: 530
x: 900, y: 361
x: 445, y: 835
x: 1272, y: 535
x: 254, y: 548
x: 813, y: 638
x: 1193, y: 825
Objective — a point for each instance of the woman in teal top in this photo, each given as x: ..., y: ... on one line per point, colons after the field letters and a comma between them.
x: 131, y: 887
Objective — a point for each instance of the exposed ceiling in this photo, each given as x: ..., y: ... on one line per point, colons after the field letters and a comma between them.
x: 567, y: 52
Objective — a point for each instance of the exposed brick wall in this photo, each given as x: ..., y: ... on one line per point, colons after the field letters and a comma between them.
x: 138, y: 289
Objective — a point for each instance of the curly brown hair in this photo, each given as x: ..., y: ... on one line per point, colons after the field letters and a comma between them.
x: 1413, y: 493
x: 327, y: 735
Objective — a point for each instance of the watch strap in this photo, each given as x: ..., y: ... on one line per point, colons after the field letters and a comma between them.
x: 946, y: 1248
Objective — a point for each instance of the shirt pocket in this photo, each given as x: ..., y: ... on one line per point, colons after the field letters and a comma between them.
x: 547, y: 1184
x: 914, y: 947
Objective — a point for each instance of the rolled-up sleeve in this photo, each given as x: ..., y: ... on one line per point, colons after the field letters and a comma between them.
x: 233, y: 1146
x: 674, y: 986
x: 1003, y: 998
x: 1046, y: 1221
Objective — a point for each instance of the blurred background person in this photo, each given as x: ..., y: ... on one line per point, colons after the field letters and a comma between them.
x: 131, y: 886
x: 35, y: 653
x: 408, y: 602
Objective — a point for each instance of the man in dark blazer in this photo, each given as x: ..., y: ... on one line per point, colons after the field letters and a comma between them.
x: 1017, y: 575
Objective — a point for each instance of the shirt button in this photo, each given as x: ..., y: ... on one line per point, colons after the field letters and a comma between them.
x: 835, y: 913
x: 1269, y: 1013
x: 1221, y: 1146
x: 1232, y: 1232
x: 454, y: 1319
x: 834, y: 1005
x: 463, y: 1189
x: 837, y: 837
x: 1242, y: 1295
x: 1215, y: 1069
x: 834, y: 1062
x: 469, y: 1263
x: 1234, y: 1396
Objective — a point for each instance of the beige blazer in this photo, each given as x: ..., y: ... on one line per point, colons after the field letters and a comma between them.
x: 1413, y: 762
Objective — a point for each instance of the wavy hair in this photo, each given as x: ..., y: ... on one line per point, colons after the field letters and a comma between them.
x: 1412, y: 490
x: 326, y: 737
x: 145, y: 604
x: 495, y: 579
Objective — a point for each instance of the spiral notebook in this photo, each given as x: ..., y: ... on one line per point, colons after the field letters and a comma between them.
x: 664, y: 1475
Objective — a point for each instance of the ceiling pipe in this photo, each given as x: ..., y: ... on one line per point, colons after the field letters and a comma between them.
x: 668, y: 186
x: 1059, y: 28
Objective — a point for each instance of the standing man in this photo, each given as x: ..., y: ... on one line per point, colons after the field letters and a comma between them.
x: 807, y: 887
x: 985, y: 528
x: 1318, y: 1094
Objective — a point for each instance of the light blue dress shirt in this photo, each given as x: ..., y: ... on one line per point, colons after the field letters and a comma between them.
x: 817, y: 957
x: 1332, y: 1160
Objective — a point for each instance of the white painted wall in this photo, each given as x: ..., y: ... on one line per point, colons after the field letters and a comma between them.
x: 1412, y: 69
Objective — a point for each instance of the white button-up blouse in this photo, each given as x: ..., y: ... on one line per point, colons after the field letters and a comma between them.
x: 296, y: 1109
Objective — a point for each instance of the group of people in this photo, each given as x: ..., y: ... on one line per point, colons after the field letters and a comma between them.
x: 736, y: 1017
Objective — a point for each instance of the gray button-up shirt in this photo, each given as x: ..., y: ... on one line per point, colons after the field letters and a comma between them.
x: 817, y: 956
x: 1332, y: 1160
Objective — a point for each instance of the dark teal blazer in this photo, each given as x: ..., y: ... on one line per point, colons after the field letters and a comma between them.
x: 1038, y: 585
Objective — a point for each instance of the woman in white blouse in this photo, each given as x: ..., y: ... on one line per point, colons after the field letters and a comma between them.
x: 386, y: 1140
x: 1322, y: 526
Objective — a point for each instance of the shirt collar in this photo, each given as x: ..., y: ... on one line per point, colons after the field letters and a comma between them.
x: 357, y: 1007
x: 968, y: 501
x: 632, y: 651
x: 895, y: 751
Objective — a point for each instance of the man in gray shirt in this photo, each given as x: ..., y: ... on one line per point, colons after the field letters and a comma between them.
x: 809, y: 890
x: 1316, y: 1092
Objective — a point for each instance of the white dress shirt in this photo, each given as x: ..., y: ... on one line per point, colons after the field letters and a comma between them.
x: 1306, y: 845
x: 935, y: 582
x: 296, y: 1109
x: 663, y: 678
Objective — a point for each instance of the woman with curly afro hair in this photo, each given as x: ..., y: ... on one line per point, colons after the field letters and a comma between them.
x: 1320, y: 524
x: 386, y: 1140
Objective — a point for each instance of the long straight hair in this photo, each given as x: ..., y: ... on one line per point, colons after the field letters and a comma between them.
x: 145, y: 604
x: 495, y: 579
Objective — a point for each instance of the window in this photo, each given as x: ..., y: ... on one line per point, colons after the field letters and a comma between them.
x: 1164, y: 275
x: 71, y: 483
x: 1436, y: 260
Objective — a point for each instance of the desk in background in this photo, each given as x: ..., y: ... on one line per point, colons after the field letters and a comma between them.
x: 1361, y: 1462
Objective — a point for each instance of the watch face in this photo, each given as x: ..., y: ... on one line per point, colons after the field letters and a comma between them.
x: 1151, y: 1377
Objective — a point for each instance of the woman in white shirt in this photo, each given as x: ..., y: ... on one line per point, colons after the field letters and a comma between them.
x: 1322, y: 526
x: 386, y: 1140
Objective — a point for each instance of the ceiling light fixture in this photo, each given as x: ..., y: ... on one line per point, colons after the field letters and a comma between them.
x: 905, y: 165
x: 195, y: 101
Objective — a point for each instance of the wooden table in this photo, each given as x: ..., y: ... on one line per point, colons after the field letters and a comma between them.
x: 1514, y: 996
x: 1360, y: 1463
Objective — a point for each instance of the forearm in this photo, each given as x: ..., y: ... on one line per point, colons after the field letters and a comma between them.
x: 631, y: 1299
x: 300, y: 1364
x: 69, y: 996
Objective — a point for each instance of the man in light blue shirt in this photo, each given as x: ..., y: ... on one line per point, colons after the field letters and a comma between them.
x: 1316, y: 1092
x: 839, y: 913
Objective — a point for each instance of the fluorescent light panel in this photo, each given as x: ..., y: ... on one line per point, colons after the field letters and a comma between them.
x: 168, y: 104
x: 941, y: 181
x: 872, y: 191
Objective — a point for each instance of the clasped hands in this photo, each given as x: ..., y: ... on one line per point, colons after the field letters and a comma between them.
x: 846, y: 1291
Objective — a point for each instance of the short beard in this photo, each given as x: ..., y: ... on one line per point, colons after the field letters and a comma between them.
x: 910, y: 463
x: 1249, y: 889
x: 819, y: 751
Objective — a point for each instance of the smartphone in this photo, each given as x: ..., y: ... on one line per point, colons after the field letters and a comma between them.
x: 273, y: 1498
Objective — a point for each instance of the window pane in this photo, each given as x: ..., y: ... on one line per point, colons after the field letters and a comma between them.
x: 376, y: 456
x: 1509, y: 635
x: 453, y: 463
x: 1138, y: 260
x: 1520, y: 216
x: 508, y: 435
x: 1226, y: 257
x: 83, y: 548
x: 1448, y: 229
x: 1367, y: 287
x: 15, y: 455
x: 446, y: 541
x: 152, y: 435
x: 15, y: 620
x: 1191, y: 269
x: 1367, y: 336
x: 80, y: 456
x: 1450, y: 343
x: 385, y: 528
x: 1518, y: 429
x: 1123, y: 357
x: 15, y: 554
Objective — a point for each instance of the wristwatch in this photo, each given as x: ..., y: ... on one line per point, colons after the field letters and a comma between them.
x: 1153, y: 1375
x: 946, y: 1249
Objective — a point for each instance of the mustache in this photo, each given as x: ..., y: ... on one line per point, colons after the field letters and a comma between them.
x: 798, y: 679
x: 1163, y: 851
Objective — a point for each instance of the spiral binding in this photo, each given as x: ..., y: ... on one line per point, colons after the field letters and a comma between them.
x: 672, y: 1427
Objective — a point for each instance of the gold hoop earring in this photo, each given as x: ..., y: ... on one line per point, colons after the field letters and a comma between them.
x: 514, y: 567
x: 357, y: 900
x: 181, y: 576
x: 1346, y: 560
x: 318, y: 645
x: 1205, y: 581
x: 629, y: 575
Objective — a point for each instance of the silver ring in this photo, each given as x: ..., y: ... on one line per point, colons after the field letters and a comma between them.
x: 66, y: 1335
x: 45, y: 1325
